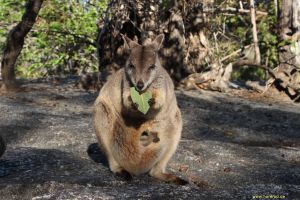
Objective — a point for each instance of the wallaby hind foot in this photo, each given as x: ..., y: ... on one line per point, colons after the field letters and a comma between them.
x: 125, y: 175
x: 169, y: 178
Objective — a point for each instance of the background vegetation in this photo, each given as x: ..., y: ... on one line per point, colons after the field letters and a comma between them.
x: 62, y: 40
x: 64, y: 37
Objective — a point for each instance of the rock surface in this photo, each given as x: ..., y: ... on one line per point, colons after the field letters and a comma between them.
x: 231, y: 148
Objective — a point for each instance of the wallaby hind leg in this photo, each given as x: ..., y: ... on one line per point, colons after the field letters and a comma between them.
x: 103, y: 123
x: 158, y: 171
x: 117, y: 169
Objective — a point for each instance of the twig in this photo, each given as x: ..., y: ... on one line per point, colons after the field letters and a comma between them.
x: 234, y: 53
x: 251, y: 64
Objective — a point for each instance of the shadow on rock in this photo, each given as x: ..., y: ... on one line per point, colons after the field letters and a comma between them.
x: 239, y: 142
x: 238, y: 122
x: 30, y: 165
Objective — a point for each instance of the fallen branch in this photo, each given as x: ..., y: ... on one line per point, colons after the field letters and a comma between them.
x: 254, y: 85
x: 280, y: 83
x: 234, y: 53
x: 234, y: 10
x: 251, y: 64
x: 216, y: 79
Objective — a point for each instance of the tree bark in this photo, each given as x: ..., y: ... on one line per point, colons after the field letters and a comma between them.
x: 289, y: 52
x: 276, y: 7
x: 254, y: 32
x: 285, y: 18
x: 15, y: 42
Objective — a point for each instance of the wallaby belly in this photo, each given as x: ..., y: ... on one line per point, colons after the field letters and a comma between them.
x: 131, y: 153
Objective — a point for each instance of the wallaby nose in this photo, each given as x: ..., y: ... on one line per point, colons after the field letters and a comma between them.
x: 140, y: 85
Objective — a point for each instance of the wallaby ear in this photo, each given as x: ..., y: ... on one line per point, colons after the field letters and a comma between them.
x: 158, y: 41
x: 128, y: 43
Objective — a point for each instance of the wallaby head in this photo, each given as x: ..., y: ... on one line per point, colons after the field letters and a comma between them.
x: 142, y: 64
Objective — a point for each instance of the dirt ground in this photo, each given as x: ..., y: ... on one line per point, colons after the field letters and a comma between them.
x: 239, y: 145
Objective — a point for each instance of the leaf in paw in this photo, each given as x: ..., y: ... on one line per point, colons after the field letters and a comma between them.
x: 141, y: 100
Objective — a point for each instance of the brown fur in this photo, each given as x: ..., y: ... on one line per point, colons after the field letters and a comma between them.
x: 135, y: 143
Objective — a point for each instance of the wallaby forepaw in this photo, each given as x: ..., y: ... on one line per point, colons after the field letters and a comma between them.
x: 151, y: 101
x: 135, y: 106
x: 124, y: 175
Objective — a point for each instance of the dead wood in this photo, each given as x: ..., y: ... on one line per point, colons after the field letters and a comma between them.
x: 235, y: 53
x: 216, y: 79
x: 282, y: 80
x: 234, y: 10
x: 254, y: 85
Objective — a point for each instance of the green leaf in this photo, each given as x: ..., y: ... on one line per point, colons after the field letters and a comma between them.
x: 142, y: 100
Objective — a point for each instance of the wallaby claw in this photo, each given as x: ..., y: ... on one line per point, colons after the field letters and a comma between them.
x: 151, y: 101
x: 135, y: 106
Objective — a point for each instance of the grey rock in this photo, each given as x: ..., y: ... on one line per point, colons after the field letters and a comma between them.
x: 231, y: 148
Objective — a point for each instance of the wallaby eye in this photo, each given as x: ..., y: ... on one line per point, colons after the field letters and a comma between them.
x: 152, y: 67
x: 131, y: 66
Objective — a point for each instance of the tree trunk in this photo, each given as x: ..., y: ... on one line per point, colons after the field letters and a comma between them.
x: 254, y: 32
x: 289, y: 51
x: 15, y: 42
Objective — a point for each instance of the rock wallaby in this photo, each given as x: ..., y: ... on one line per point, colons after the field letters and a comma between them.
x: 133, y: 142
